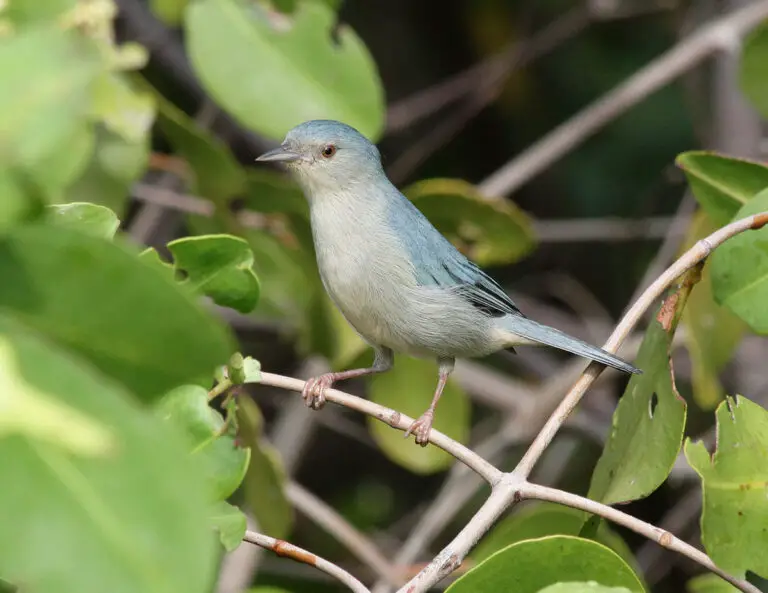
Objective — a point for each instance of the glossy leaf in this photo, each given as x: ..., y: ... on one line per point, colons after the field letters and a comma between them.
x: 219, y: 266
x: 649, y: 421
x: 136, y: 517
x: 230, y: 523
x: 544, y: 519
x: 212, y: 445
x: 529, y: 566
x: 588, y: 587
x: 712, y: 332
x: 84, y: 217
x: 753, y: 59
x: 489, y: 232
x: 734, y: 521
x: 408, y: 388
x: 265, y: 479
x: 97, y: 299
x: 303, y: 73
x: 721, y: 184
x: 709, y: 583
x: 740, y: 270
x: 217, y: 174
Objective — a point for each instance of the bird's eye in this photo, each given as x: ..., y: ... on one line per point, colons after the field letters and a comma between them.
x: 328, y: 151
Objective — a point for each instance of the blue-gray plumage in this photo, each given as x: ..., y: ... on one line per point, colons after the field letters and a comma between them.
x: 394, y: 277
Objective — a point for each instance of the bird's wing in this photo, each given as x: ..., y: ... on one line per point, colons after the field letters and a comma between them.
x: 439, y: 263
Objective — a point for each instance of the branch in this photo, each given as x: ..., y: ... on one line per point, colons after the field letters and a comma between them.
x: 396, y: 420
x: 282, y: 548
x: 718, y: 35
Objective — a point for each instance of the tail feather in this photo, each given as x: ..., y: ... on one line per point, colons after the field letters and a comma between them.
x: 536, y: 332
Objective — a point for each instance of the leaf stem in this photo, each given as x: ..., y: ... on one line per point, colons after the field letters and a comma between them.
x: 219, y: 388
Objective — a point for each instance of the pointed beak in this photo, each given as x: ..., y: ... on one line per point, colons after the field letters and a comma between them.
x: 279, y: 155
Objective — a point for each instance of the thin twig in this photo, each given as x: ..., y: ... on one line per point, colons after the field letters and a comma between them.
x: 283, y: 548
x: 718, y: 35
x: 394, y: 419
x: 327, y: 518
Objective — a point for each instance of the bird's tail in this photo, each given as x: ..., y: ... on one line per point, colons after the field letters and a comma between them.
x: 536, y: 332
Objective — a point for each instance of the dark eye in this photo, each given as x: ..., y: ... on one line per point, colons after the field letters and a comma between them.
x: 328, y: 151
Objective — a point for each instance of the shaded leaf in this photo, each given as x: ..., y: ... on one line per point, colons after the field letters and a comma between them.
x: 722, y: 184
x: 17, y: 203
x: 265, y: 479
x: 543, y: 519
x: 303, y: 74
x: 272, y: 193
x: 83, y: 217
x: 212, y: 445
x: 230, y: 523
x: 734, y: 521
x: 588, y: 587
x: 531, y: 565
x: 754, y: 54
x: 171, y: 12
x: 98, y: 299
x: 709, y: 583
x: 740, y: 270
x: 649, y: 421
x: 219, y: 266
x: 712, y: 332
x: 408, y: 388
x: 127, y: 111
x: 137, y: 518
x: 489, y: 232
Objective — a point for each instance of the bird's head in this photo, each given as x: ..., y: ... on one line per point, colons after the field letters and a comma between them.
x: 327, y: 155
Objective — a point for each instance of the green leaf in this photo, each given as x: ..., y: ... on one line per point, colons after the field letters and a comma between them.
x: 170, y: 12
x: 408, y: 388
x: 265, y: 479
x: 99, y: 300
x: 722, y: 184
x: 252, y: 368
x: 38, y: 415
x: 734, y: 521
x: 267, y: 590
x: 709, y: 583
x: 649, y: 421
x: 39, y: 11
x: 219, y: 266
x: 272, y: 193
x: 230, y: 523
x: 124, y: 110
x: 589, y: 587
x: 211, y: 443
x: 530, y: 565
x: 754, y: 54
x: 543, y: 519
x: 137, y: 517
x: 712, y: 332
x: 740, y: 270
x: 217, y: 174
x: 45, y: 75
x: 83, y: 217
x: 20, y: 202
x: 489, y: 232
x: 113, y: 167
x: 303, y: 73
x: 60, y: 169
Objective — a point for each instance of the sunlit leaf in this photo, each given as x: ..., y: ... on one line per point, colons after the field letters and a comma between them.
x: 303, y: 73
x: 529, y: 566
x: 230, y: 523
x: 408, y: 388
x: 83, y: 217
x: 734, y: 521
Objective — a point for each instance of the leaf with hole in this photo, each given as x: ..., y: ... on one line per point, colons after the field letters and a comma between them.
x: 408, y: 388
x: 211, y: 442
x: 489, y: 232
x: 740, y: 270
x: 648, y: 423
x: 230, y: 523
x: 530, y: 565
x: 734, y: 521
x: 97, y: 299
x: 721, y: 184
x: 303, y: 73
x: 135, y: 515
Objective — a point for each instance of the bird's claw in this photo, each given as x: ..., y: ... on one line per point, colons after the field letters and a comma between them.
x: 421, y: 427
x: 314, y: 390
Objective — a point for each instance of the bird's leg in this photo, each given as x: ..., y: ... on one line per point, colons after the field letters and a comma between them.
x: 420, y: 427
x: 314, y: 389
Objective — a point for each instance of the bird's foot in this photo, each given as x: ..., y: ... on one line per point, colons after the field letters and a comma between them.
x: 420, y: 428
x: 314, y: 390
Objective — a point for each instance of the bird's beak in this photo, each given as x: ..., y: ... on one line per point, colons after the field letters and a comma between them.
x: 279, y: 155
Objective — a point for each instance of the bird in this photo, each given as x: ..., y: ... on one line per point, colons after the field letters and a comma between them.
x: 400, y: 284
